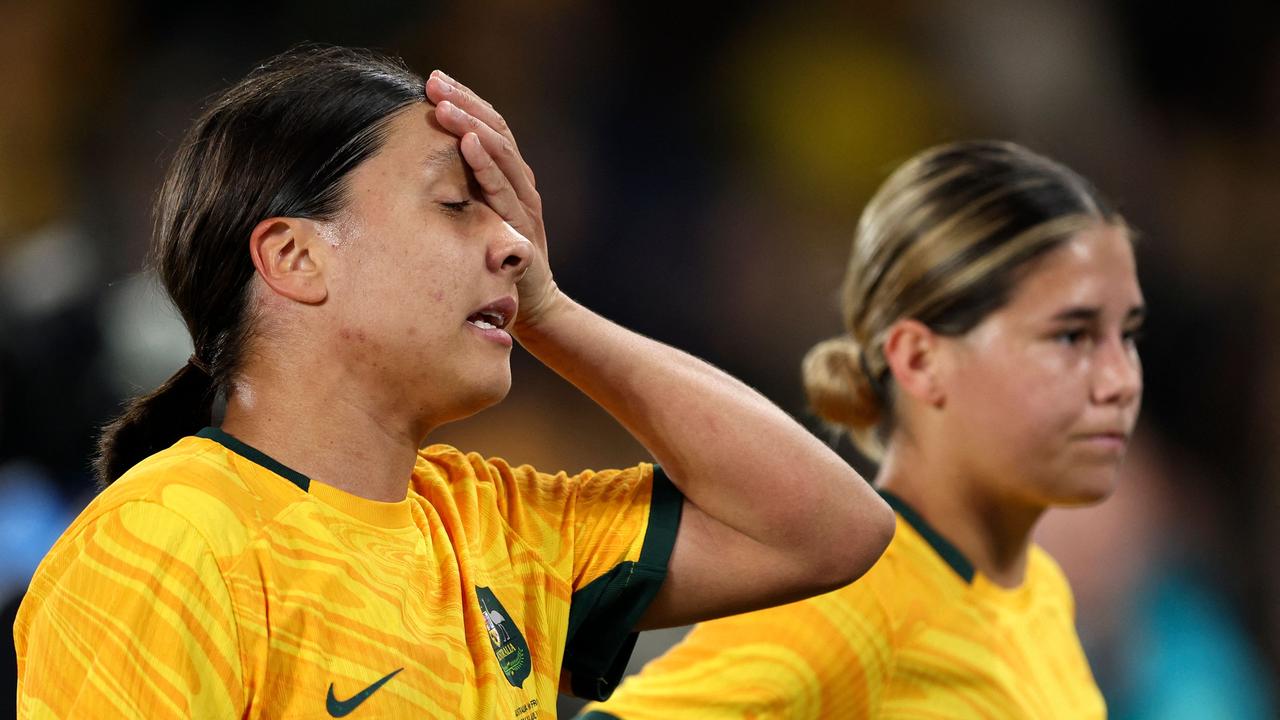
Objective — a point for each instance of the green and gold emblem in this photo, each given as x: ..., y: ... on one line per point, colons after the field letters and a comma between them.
x: 508, y: 644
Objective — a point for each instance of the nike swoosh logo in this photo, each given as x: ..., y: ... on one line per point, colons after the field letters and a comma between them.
x: 342, y: 708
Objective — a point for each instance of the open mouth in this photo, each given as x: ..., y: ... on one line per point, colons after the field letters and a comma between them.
x: 497, y: 315
x: 488, y: 320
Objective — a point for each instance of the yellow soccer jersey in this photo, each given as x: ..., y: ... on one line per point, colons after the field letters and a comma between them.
x: 921, y: 635
x: 212, y: 582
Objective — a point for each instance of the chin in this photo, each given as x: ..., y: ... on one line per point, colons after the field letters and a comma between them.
x: 482, y: 398
x: 496, y: 396
x: 1087, y: 486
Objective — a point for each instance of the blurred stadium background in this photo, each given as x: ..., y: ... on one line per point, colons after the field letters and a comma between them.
x: 702, y: 172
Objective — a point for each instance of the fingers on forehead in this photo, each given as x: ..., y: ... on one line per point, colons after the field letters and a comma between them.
x: 470, y: 94
x: 499, y: 146
x: 471, y: 113
x: 495, y: 184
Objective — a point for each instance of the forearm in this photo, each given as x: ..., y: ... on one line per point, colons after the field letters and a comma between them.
x: 736, y: 456
x: 764, y: 499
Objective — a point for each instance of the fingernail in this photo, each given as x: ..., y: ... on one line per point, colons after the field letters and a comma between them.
x: 445, y: 77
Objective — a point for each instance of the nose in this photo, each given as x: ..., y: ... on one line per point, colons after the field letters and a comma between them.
x: 509, y: 252
x: 1118, y: 374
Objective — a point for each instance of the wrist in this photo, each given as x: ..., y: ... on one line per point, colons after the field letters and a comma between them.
x: 534, y: 318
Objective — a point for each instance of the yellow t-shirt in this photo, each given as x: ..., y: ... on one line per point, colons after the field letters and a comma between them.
x: 210, y: 581
x: 921, y: 635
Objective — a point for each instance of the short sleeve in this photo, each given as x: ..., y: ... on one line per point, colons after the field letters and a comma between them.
x: 130, y: 617
x: 611, y: 534
x: 826, y: 657
x: 610, y: 596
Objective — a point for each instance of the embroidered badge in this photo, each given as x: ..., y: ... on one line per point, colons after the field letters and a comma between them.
x: 508, y: 644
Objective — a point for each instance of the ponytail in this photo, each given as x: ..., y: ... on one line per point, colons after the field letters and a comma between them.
x: 150, y: 423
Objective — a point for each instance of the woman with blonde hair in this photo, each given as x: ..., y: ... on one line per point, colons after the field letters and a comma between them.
x: 991, y: 303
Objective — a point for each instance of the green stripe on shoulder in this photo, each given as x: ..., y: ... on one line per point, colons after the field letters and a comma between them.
x: 597, y: 715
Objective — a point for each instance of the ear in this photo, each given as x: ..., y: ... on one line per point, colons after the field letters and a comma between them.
x: 291, y: 258
x: 913, y: 352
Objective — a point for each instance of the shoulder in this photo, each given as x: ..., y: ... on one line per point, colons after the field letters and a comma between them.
x: 219, y: 495
x: 827, y: 641
x: 882, y: 596
x: 445, y: 462
x: 450, y: 463
x: 445, y: 455
x: 470, y: 472
x: 110, y: 555
x: 906, y: 588
x: 1046, y: 576
x: 467, y: 481
x: 444, y: 468
x: 910, y: 567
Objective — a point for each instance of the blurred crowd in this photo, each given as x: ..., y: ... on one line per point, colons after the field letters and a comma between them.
x: 702, y: 171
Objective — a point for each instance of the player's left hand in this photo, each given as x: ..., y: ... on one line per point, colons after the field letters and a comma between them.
x: 504, y: 177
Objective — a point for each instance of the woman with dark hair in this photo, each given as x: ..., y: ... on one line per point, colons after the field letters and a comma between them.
x: 990, y: 307
x: 353, y: 250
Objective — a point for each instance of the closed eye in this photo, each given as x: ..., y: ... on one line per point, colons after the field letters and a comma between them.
x: 455, y: 208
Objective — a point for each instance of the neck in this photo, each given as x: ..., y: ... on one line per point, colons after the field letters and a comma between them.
x: 322, y: 425
x: 993, y: 532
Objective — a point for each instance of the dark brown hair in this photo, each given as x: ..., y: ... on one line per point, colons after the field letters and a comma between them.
x: 280, y: 143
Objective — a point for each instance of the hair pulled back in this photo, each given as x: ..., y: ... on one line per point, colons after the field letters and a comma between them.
x: 280, y: 143
x: 943, y: 241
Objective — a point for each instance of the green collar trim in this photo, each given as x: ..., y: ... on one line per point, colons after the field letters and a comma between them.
x: 948, y: 552
x: 256, y: 456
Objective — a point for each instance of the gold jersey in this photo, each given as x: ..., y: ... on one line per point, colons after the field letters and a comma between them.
x: 921, y: 635
x: 210, y: 581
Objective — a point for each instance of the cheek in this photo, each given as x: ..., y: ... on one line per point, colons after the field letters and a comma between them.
x: 388, y: 309
x: 1019, y: 404
x: 1053, y: 389
x: 409, y: 277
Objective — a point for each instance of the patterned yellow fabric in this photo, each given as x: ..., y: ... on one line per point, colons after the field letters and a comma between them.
x: 916, y: 637
x: 212, y: 582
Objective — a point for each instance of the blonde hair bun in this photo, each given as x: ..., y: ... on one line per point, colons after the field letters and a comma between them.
x: 839, y: 391
x: 941, y: 243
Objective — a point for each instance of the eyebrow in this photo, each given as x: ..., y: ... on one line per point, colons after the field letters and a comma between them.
x: 443, y: 157
x: 1091, y: 314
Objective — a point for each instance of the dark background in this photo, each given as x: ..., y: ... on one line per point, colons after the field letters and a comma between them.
x: 702, y: 173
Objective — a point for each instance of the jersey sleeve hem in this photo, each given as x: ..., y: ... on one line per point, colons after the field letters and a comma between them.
x: 602, y: 614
